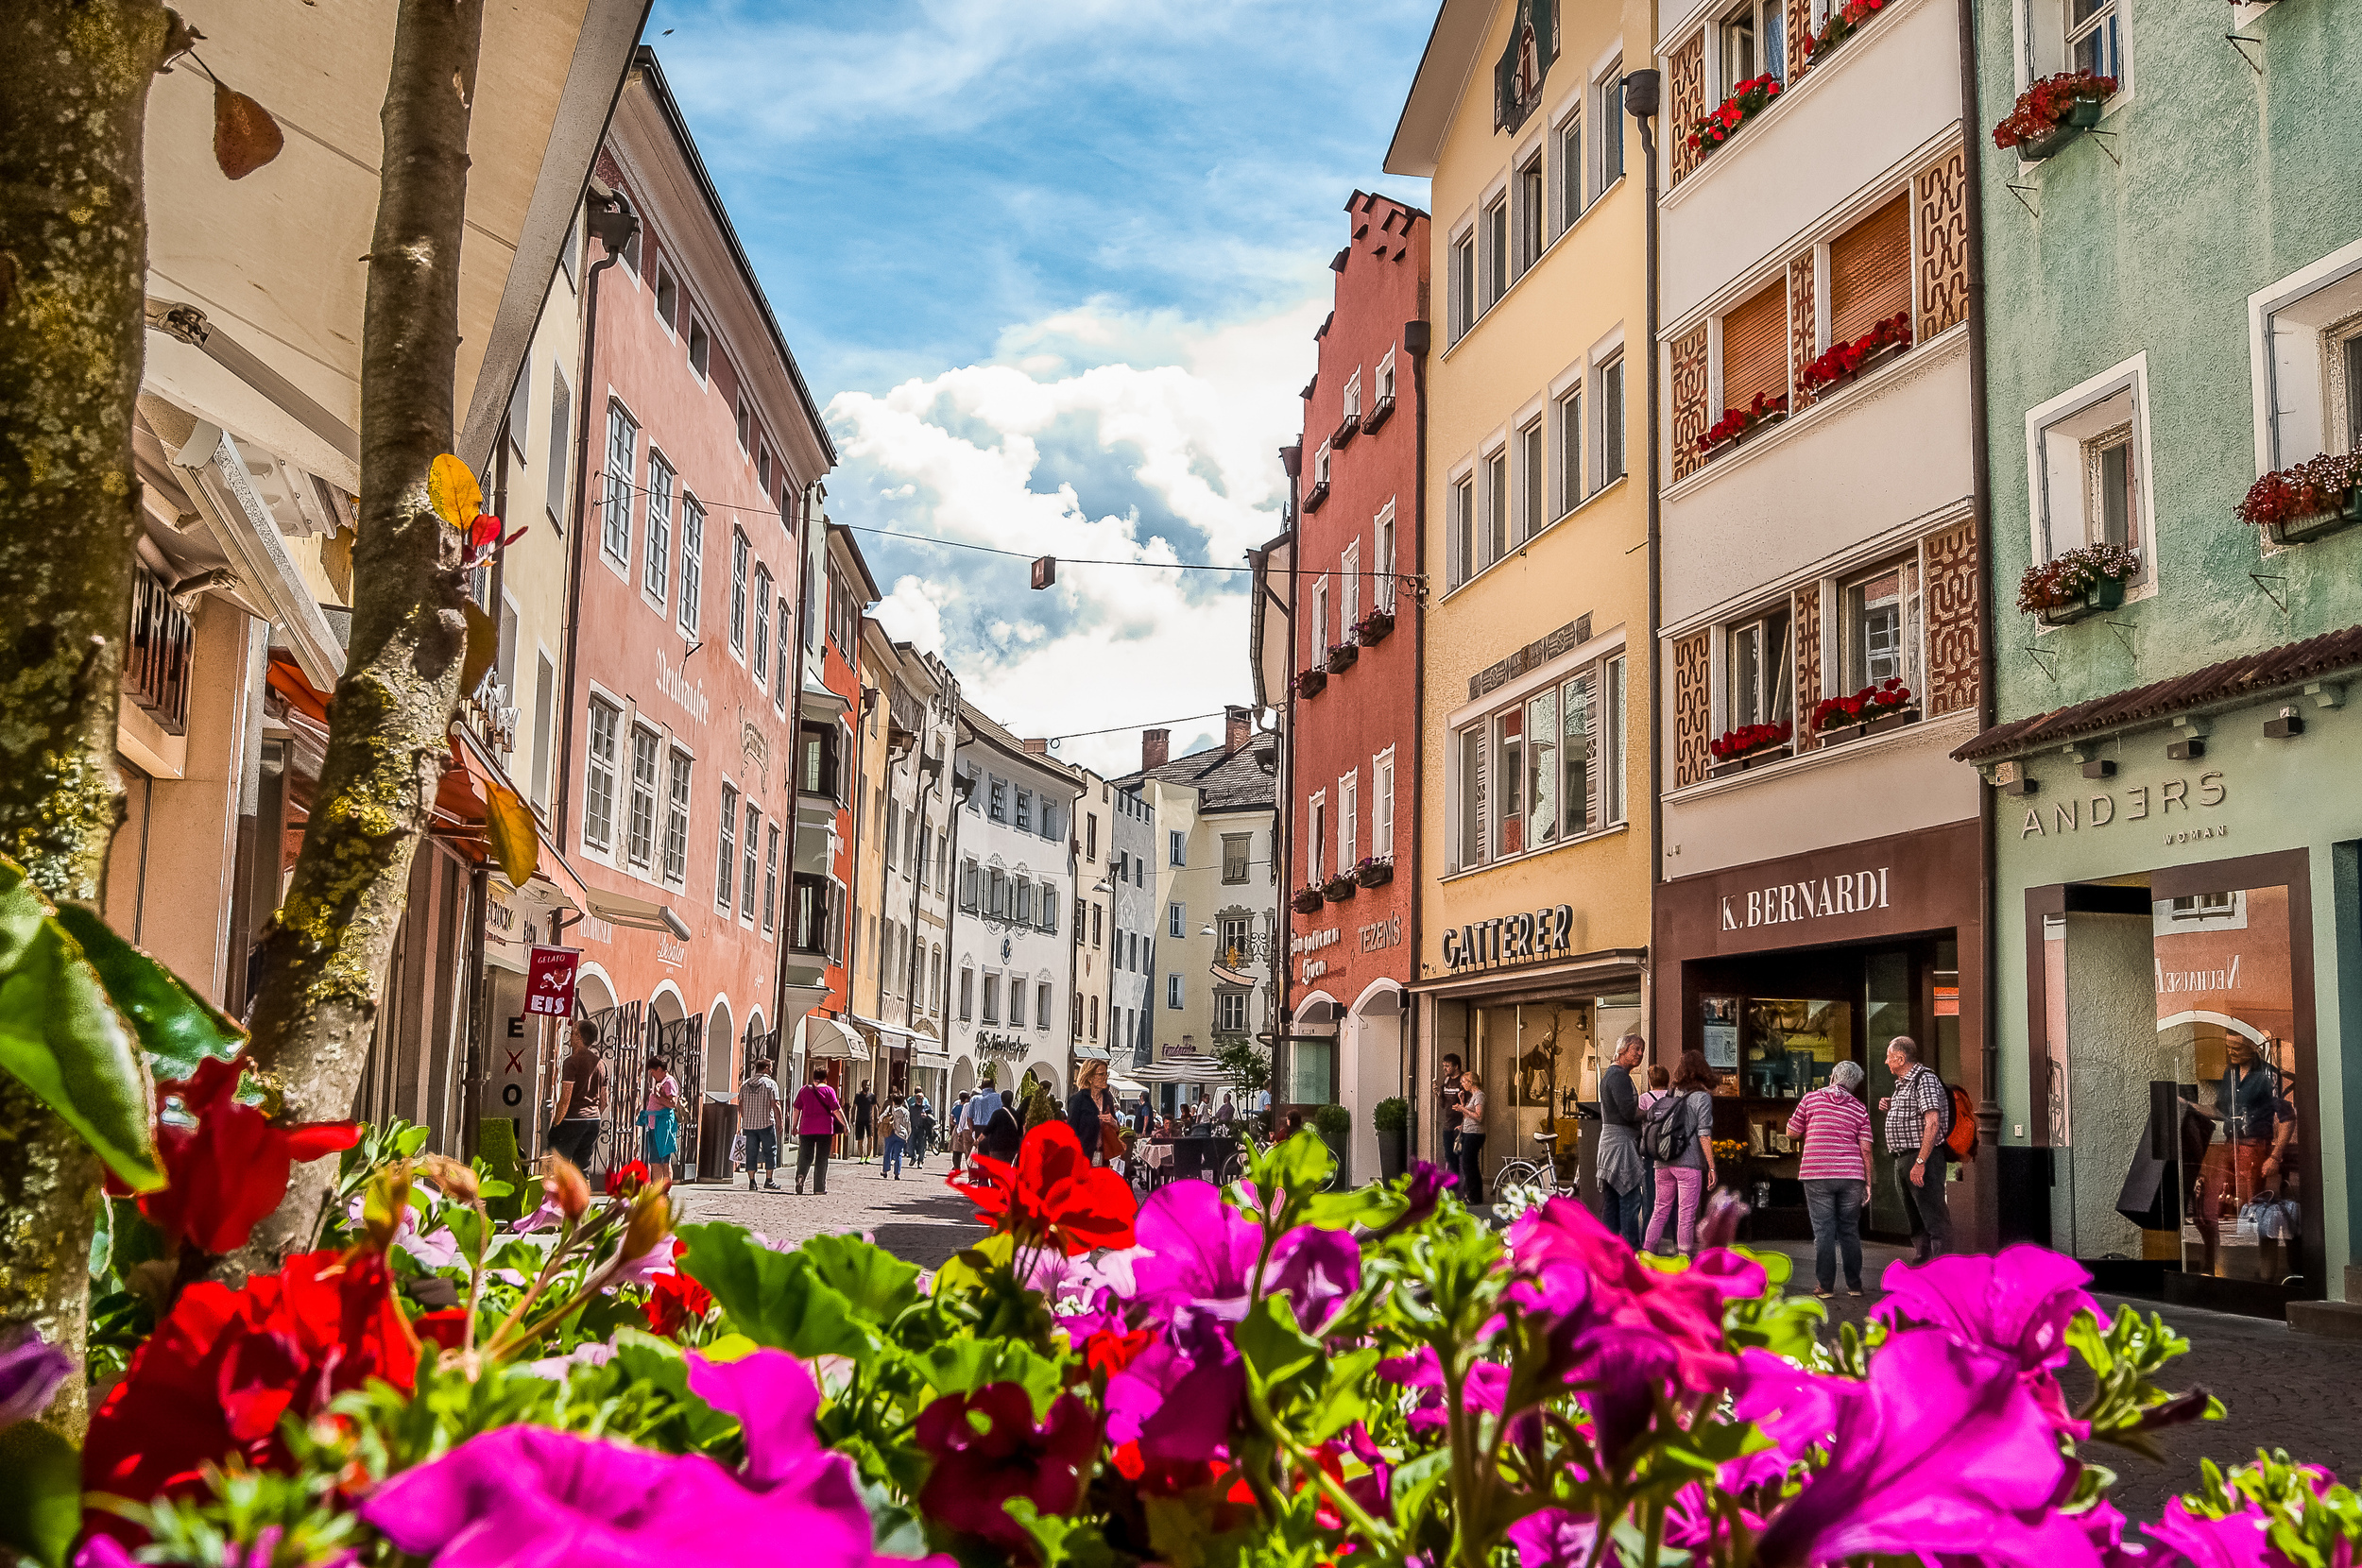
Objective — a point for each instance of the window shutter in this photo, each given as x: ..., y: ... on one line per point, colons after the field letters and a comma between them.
x: 1870, y: 272
x: 1755, y: 347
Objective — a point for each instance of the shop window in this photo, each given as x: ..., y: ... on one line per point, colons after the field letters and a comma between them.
x: 1880, y: 620
x: 1761, y: 671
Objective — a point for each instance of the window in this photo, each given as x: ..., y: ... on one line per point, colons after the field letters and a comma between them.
x: 967, y: 993
x: 623, y: 450
x: 1531, y: 774
x: 1569, y: 421
x: 999, y: 809
x: 1493, y: 228
x: 992, y: 999
x: 822, y: 775
x: 1569, y: 151
x: 598, y: 796
x: 761, y: 662
x: 1173, y: 992
x: 1022, y: 911
x: 1611, y: 396
x: 1753, y: 43
x: 2095, y: 41
x: 1459, y: 542
x: 1175, y: 918
x: 1099, y: 926
x: 1534, y: 466
x: 1177, y: 846
x: 1383, y: 806
x: 544, y: 705
x: 1238, y: 939
x: 1025, y: 809
x: 1041, y: 1004
x: 656, y: 575
x: 1755, y: 347
x: 997, y: 893
x: 1320, y: 466
x: 770, y: 880
x: 700, y: 349
x: 808, y: 917
x: 1094, y: 1017
x: 1880, y: 627
x: 1611, y: 731
x: 1017, y: 1004
x: 1318, y: 624
x: 1533, y: 214
x: 1870, y: 273
x: 779, y: 661
x: 745, y: 425
x: 2305, y: 336
x: 693, y: 545
x: 1761, y: 671
x: 1383, y: 561
x: 748, y: 859
x: 1608, y: 91
x: 1230, y: 1013
x: 970, y: 884
x: 677, y: 821
x: 561, y: 446
x: 667, y: 298
x: 1353, y: 395
x: 738, y: 591
x: 1386, y: 377
x: 641, y: 843
x: 1235, y: 850
x: 1496, y: 540
x: 1348, y: 823
x: 2091, y: 455
x: 725, y: 873
x: 1050, y: 908
x: 1315, y: 840
x: 1349, y: 589
x: 763, y: 467
x: 1463, y: 284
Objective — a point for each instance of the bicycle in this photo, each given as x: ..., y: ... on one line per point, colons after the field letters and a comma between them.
x: 1521, y: 1183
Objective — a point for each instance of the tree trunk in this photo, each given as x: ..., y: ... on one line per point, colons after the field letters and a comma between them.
x: 325, y: 959
x: 73, y: 265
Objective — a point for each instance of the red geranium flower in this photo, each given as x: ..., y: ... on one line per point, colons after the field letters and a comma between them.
x: 630, y: 1179
x: 987, y: 1450
x: 676, y: 1301
x: 225, y: 1366
x: 1053, y: 1194
x: 230, y: 1170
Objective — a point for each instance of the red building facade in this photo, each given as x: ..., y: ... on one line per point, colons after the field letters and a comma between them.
x: 702, y: 444
x: 1353, y: 744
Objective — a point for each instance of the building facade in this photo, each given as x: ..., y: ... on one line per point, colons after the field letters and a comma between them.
x: 1132, y: 927
x: 1535, y: 862
x: 2175, y: 916
x: 1091, y: 1020
x: 1350, y: 731
x: 1012, y: 955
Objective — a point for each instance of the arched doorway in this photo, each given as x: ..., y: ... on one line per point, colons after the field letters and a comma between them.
x: 1370, y: 1055
x: 721, y: 1044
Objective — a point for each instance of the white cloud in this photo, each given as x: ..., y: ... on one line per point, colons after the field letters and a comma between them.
x: 1183, y: 421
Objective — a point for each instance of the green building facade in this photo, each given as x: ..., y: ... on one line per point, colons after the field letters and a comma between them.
x: 2173, y: 308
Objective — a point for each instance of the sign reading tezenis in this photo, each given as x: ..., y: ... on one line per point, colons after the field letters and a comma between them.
x: 1511, y: 939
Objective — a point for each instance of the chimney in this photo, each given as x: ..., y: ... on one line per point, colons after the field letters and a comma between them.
x: 1156, y: 748
x: 1037, y: 748
x: 1237, y: 724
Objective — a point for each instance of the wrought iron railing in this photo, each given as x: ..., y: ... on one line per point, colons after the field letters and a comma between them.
x: 155, y: 662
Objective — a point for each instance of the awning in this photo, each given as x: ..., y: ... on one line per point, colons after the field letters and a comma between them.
x: 896, y: 1030
x: 1090, y: 1053
x: 1180, y: 1069
x: 818, y: 702
x: 833, y: 1039
x: 616, y: 909
x: 933, y: 1059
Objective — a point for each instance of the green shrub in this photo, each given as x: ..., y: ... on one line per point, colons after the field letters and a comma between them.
x: 1391, y: 1115
x: 1333, y: 1122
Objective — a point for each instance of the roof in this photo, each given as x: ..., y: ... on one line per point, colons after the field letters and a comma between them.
x: 1225, y: 780
x: 979, y: 727
x: 2248, y: 678
x: 1444, y: 67
x: 840, y: 537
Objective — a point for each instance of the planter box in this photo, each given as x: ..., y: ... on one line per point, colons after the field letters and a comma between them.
x: 1731, y: 767
x: 1345, y: 433
x: 2107, y: 595
x: 2080, y: 118
x: 1378, y: 414
x: 1313, y: 497
x: 1879, y: 725
x: 1309, y: 682
x: 1887, y: 355
x: 2320, y: 524
x: 1375, y: 876
x: 1307, y: 901
x: 1342, y: 657
x: 1374, y: 630
x: 1338, y: 889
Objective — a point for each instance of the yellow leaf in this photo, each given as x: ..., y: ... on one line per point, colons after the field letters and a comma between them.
x: 452, y: 491
x: 484, y: 645
x: 515, y: 840
x: 244, y: 135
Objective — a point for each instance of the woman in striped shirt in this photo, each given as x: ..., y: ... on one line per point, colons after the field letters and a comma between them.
x: 1835, y: 1168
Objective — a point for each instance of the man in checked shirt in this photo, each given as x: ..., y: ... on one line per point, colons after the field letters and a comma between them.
x: 1917, y: 1117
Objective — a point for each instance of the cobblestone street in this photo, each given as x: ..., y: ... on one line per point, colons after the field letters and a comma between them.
x: 917, y: 1219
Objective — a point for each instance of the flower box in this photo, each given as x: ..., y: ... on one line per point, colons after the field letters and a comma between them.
x: 1843, y: 22
x: 1736, y: 424
x: 1378, y: 413
x: 1737, y: 765
x: 1339, y: 888
x: 1747, y: 100
x: 1347, y: 429
x: 2308, y: 501
x: 1374, y: 628
x: 1845, y: 361
x: 2102, y: 596
x: 2052, y: 112
x: 1317, y: 494
x: 1342, y: 657
x: 1309, y: 682
x: 1733, y: 749
x: 1306, y: 900
x: 2077, y: 583
x: 1888, y: 705
x: 1374, y: 873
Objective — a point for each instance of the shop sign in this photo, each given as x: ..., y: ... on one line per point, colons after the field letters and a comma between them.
x: 2143, y: 803
x: 550, y: 981
x: 671, y: 954
x: 1312, y: 941
x: 1381, y: 935
x: 676, y: 684
x: 1849, y: 893
x: 1524, y: 938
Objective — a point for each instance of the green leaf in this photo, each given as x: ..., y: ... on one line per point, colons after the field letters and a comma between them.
x: 40, y: 1492
x: 176, y: 1027
x: 963, y: 1366
x: 1272, y: 1343
x: 867, y: 1275
x: 1346, y: 1396
x: 773, y: 1298
x: 62, y: 1038
x: 1371, y: 1206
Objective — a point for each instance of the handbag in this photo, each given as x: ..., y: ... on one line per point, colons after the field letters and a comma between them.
x: 1111, y: 1143
x: 2249, y: 1228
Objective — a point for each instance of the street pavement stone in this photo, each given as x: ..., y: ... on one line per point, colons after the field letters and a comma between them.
x: 917, y: 1219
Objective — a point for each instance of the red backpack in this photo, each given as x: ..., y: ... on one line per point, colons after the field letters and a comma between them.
x: 1960, y: 1136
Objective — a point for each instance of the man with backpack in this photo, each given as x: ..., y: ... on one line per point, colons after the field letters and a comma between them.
x: 1919, y: 1121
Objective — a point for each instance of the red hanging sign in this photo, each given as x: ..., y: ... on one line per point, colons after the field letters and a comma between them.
x: 549, y: 984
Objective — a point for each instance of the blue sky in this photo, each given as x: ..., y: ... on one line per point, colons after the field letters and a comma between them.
x: 1052, y: 265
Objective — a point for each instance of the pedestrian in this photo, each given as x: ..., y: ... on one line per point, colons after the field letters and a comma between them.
x: 1680, y: 1133
x: 581, y: 1088
x: 1620, y: 1170
x: 962, y: 1136
x: 922, y: 1129
x: 659, y: 1120
x: 1448, y: 1110
x: 893, y: 1126
x: 1660, y: 1084
x: 1471, y: 1110
x: 1226, y: 1112
x: 865, y: 1119
x: 819, y: 1117
x: 761, y: 1120
x: 982, y: 1106
x: 1918, y: 1116
x: 1834, y: 1129
x: 1091, y: 1113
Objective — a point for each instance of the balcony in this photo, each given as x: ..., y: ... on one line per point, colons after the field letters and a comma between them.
x: 1347, y: 429
x: 1379, y: 412
x: 1315, y: 496
x: 156, y: 663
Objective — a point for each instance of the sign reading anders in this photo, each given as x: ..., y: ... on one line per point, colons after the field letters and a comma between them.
x: 1511, y: 939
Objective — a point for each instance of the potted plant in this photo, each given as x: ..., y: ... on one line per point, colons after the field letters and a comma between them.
x: 1733, y: 749
x: 2307, y: 501
x: 2079, y: 583
x: 1844, y: 361
x: 1392, y: 1117
x: 1747, y: 100
x: 1374, y: 872
x: 1342, y: 657
x: 1306, y: 900
x: 1736, y: 424
x: 1886, y: 704
x: 1339, y: 887
x: 1309, y: 682
x: 2053, y: 111
x: 1374, y: 627
x: 1843, y: 22
x: 1334, y: 1123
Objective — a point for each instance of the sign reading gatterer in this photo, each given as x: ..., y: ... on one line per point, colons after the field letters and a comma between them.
x: 1523, y: 938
